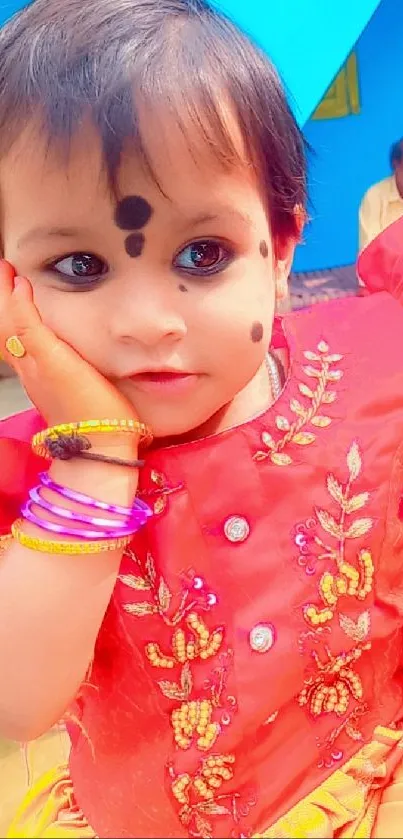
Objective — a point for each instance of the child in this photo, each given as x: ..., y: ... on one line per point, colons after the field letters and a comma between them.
x: 231, y: 664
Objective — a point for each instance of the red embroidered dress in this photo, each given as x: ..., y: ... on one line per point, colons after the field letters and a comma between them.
x: 253, y: 643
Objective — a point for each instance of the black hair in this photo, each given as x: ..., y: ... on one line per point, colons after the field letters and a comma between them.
x: 63, y: 60
x: 396, y: 153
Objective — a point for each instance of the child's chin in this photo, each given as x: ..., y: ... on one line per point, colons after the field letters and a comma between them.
x: 178, y: 429
x: 174, y: 431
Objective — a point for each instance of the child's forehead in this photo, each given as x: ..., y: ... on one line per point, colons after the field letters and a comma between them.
x: 183, y: 147
x: 182, y: 179
x: 174, y: 157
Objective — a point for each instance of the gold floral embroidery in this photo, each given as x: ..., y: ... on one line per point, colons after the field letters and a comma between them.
x: 348, y: 580
x: 271, y: 719
x: 335, y: 682
x: 196, y: 720
x: 162, y: 596
x: 350, y: 726
x: 160, y: 492
x: 193, y: 719
x: 203, y: 644
x: 358, y: 629
x: 213, y: 772
x: 198, y: 797
x: 299, y: 431
x: 330, y: 690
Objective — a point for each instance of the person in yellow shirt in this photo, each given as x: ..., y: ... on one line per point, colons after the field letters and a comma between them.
x: 383, y: 202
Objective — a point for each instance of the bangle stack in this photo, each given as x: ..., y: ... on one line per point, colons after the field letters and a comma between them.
x: 102, y: 533
x: 95, y: 533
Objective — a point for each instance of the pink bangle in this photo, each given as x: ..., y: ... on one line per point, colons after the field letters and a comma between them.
x: 133, y: 517
x: 93, y: 535
x: 136, y: 516
x: 87, y: 501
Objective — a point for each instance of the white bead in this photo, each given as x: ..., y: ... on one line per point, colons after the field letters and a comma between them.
x: 236, y: 529
x: 262, y: 637
x: 198, y: 583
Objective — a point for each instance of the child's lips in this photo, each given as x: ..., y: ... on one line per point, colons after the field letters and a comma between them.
x: 165, y: 381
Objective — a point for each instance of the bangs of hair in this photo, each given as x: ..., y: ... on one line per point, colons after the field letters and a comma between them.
x: 108, y: 61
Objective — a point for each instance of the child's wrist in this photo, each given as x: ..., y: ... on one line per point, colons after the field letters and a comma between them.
x: 106, y: 481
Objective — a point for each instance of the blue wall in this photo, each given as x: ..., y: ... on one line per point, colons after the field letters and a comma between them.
x: 307, y: 40
x: 352, y: 153
x: 8, y: 7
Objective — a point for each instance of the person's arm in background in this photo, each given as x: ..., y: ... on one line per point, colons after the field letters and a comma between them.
x: 369, y: 218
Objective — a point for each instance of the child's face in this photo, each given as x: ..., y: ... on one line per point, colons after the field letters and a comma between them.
x: 180, y: 276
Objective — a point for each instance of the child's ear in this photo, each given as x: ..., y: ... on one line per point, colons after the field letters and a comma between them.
x: 284, y: 255
x: 284, y: 252
x: 282, y: 290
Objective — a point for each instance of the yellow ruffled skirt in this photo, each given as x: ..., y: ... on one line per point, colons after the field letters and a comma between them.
x: 363, y: 799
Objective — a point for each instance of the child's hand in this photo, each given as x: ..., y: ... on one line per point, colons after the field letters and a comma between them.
x: 62, y: 386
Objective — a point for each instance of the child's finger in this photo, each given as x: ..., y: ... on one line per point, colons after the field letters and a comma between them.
x: 33, y: 337
x: 7, y: 274
x: 25, y: 313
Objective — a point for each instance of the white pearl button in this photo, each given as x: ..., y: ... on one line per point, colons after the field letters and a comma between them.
x: 236, y: 529
x: 262, y: 637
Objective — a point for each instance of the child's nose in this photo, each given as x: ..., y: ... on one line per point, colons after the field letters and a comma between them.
x: 148, y: 316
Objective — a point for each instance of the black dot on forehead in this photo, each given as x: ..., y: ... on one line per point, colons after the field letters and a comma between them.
x: 256, y: 332
x: 133, y: 212
x: 134, y: 244
x: 264, y: 249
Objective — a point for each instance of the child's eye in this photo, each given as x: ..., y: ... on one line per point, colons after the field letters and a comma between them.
x: 206, y: 256
x: 81, y: 267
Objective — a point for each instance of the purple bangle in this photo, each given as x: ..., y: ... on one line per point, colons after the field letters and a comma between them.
x: 136, y: 516
x: 91, y: 535
x: 87, y: 501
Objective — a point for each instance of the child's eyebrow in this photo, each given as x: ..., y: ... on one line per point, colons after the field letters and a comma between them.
x: 203, y: 218
x: 38, y: 233
x: 47, y: 233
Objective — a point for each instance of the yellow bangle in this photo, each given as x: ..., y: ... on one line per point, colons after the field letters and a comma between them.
x: 86, y: 427
x: 49, y: 546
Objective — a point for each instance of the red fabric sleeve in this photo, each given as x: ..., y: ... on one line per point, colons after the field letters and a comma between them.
x: 19, y: 467
x: 380, y: 265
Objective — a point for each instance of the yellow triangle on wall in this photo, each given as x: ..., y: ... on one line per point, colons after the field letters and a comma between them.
x: 343, y: 96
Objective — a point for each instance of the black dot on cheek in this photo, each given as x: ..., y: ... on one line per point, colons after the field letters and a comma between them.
x: 134, y: 244
x: 133, y: 212
x: 256, y: 332
x: 264, y: 249
x: 182, y: 287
